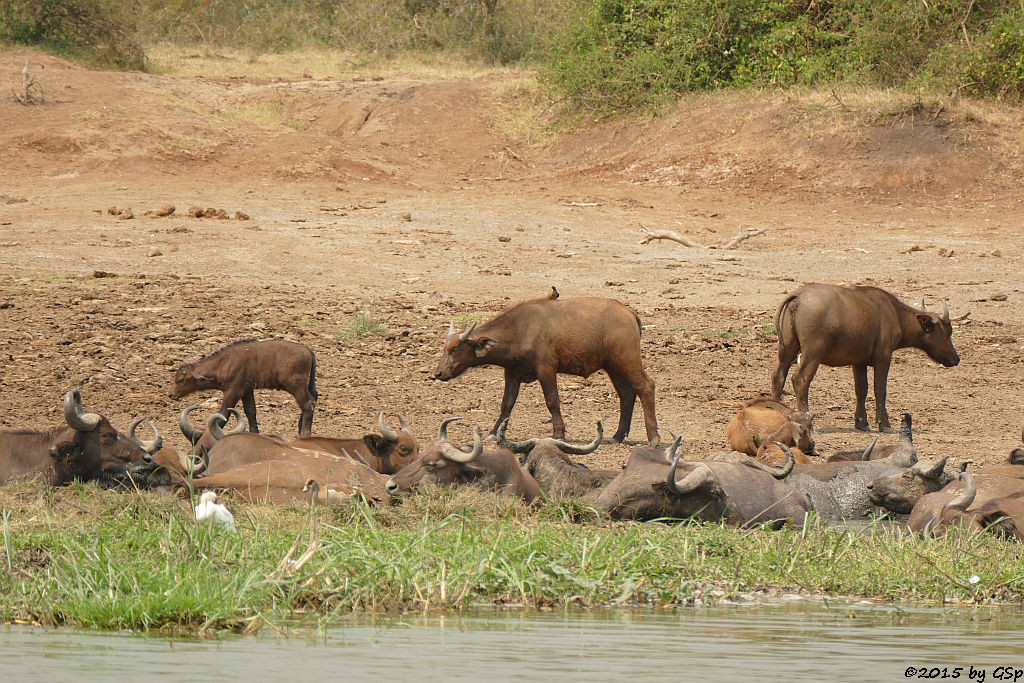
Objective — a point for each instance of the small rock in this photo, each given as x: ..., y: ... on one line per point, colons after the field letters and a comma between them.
x: 196, y: 211
x: 113, y: 211
x: 407, y: 217
x: 997, y: 297
x: 504, y: 238
x: 519, y: 228
x: 126, y: 214
x: 155, y: 251
x: 241, y: 216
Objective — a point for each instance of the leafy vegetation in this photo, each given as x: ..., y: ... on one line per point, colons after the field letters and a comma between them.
x: 97, y: 558
x: 365, y: 323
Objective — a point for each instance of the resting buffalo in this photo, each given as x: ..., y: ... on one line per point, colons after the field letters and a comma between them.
x: 858, y: 326
x: 649, y: 488
x: 762, y: 422
x: 386, y: 452
x: 539, y: 338
x: 1003, y: 516
x: 441, y: 463
x: 240, y: 368
x: 547, y: 460
x: 87, y: 448
x: 983, y: 488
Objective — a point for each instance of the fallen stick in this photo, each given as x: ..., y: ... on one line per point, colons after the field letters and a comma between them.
x: 740, y: 236
x: 652, y: 235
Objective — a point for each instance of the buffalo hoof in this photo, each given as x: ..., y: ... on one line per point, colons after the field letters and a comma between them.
x: 617, y: 439
x: 491, y: 437
x: 861, y: 423
x: 885, y: 428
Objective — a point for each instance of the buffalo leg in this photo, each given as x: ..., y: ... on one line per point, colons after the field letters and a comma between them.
x: 549, y: 384
x: 307, y: 404
x: 881, y: 379
x: 860, y: 387
x: 508, y: 399
x: 627, y: 401
x: 787, y: 355
x: 249, y: 405
x: 802, y: 380
x: 645, y: 390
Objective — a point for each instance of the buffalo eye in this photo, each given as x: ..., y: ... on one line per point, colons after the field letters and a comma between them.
x: 405, y: 450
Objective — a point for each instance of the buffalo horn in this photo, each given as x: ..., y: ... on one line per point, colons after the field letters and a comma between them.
x: 866, y: 455
x: 240, y: 425
x: 388, y: 434
x: 465, y: 335
x: 964, y: 500
x: 190, y: 432
x: 777, y: 472
x: 700, y: 476
x: 670, y: 454
x: 443, y: 434
x: 932, y: 470
x: 150, y: 447
x: 945, y: 312
x: 358, y: 456
x: 905, y: 454
x: 451, y: 328
x: 402, y: 423
x: 215, y: 425
x: 923, y: 306
x: 514, y: 446
x: 568, y: 448
x: 455, y: 455
x: 74, y: 415
x: 194, y: 464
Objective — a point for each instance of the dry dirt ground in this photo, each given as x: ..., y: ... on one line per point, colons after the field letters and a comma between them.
x: 402, y: 198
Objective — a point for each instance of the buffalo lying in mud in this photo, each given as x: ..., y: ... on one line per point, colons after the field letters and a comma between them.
x: 86, y: 448
x: 538, y: 338
x: 1002, y: 516
x: 441, y: 463
x: 858, y: 326
x: 547, y: 460
x: 240, y: 368
x: 972, y: 492
x: 656, y: 484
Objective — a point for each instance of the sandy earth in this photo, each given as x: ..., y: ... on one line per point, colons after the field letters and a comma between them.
x: 402, y: 198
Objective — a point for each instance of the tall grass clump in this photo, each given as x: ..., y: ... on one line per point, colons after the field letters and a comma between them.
x: 98, y: 33
x: 639, y: 53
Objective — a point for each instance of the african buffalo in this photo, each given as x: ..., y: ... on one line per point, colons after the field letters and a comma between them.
x: 547, y: 460
x: 86, y: 448
x: 241, y: 367
x: 538, y: 338
x: 928, y: 510
x: 441, y: 463
x: 858, y: 326
x: 386, y: 452
x: 760, y: 423
x: 205, y: 439
x: 648, y: 488
x: 1002, y: 516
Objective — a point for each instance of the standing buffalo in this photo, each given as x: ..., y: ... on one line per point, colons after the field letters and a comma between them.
x: 86, y: 448
x: 858, y: 326
x: 538, y: 338
x: 239, y: 368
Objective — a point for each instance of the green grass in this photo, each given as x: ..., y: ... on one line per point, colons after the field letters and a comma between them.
x: 139, y: 561
x: 730, y: 333
x: 365, y: 323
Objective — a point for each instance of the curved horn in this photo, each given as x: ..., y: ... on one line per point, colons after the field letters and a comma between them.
x: 215, y: 425
x: 568, y: 448
x: 964, y: 500
x: 443, y: 435
x: 670, y: 454
x: 777, y: 472
x: 455, y: 455
x: 451, y: 328
x: 74, y: 415
x: 358, y: 456
x: 150, y: 447
x: 514, y: 446
x: 945, y: 312
x: 388, y: 434
x: 932, y: 470
x: 194, y: 464
x: 402, y: 423
x: 905, y: 454
x: 240, y: 424
x: 700, y: 476
x: 465, y: 335
x: 190, y: 432
x: 866, y: 455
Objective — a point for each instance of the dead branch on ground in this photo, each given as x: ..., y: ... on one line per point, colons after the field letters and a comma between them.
x: 28, y: 91
x: 650, y: 235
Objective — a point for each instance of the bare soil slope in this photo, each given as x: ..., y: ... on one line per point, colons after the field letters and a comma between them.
x: 403, y: 199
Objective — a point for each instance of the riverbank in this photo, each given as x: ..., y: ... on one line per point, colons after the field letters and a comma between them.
x: 81, y: 556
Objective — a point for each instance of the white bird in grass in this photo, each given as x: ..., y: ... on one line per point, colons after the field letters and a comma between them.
x: 212, y: 511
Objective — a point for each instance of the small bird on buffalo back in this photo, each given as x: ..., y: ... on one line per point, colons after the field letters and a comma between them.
x: 210, y: 510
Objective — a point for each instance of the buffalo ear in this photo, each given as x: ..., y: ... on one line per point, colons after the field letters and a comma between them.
x: 376, y: 443
x: 65, y: 450
x: 482, y: 346
x: 927, y: 324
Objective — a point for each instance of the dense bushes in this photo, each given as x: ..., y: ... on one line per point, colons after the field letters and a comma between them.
x: 623, y: 53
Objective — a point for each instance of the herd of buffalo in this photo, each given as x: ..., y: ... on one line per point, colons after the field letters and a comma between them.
x: 773, y: 475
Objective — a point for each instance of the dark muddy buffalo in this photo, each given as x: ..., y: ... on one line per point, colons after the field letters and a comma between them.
x: 86, y: 448
x: 982, y: 489
x: 440, y: 463
x: 650, y: 487
x: 240, y: 368
x: 547, y: 460
x: 539, y: 338
x: 1002, y: 515
x: 858, y: 326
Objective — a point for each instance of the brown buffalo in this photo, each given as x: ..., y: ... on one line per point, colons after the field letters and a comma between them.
x: 760, y: 423
x: 903, y: 450
x: 386, y: 452
x: 539, y: 338
x: 547, y: 460
x: 649, y: 488
x: 857, y: 326
x: 240, y: 368
x: 87, y: 447
x: 1001, y: 516
x: 441, y: 463
x: 928, y: 510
